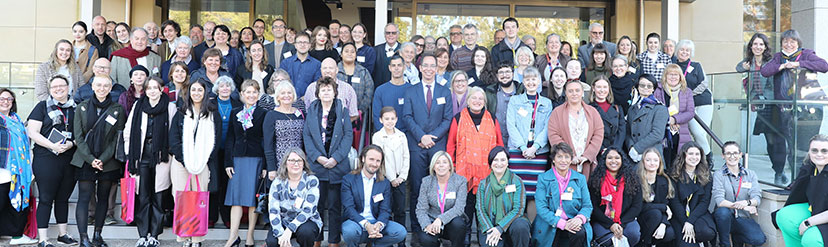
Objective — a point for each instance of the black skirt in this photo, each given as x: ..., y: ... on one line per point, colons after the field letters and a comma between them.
x: 87, y: 173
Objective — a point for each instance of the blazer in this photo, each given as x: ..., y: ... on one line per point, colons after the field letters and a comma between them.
x: 419, y: 121
x: 45, y: 72
x: 698, y: 204
x: 645, y: 126
x: 341, y: 140
x: 177, y: 145
x: 121, y: 68
x: 353, y: 198
x: 548, y: 201
x: 83, y: 155
x: 242, y: 74
x: 519, y: 121
x: 514, y: 203
x: 288, y: 50
x: 660, y: 201
x: 630, y: 207
x: 615, y: 126
x: 395, y: 151
x: 381, y: 72
x: 686, y: 111
x: 162, y: 170
x: 244, y: 143
x: 428, y: 205
x: 559, y: 130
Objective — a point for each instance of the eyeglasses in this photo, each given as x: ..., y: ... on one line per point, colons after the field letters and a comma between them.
x: 732, y: 154
x: 645, y: 86
x: 505, y: 72
x: 6, y: 99
x: 294, y: 161
x: 456, y: 33
x: 59, y: 86
x: 301, y: 42
x: 420, y: 45
x: 278, y: 27
x: 824, y: 151
x: 390, y: 33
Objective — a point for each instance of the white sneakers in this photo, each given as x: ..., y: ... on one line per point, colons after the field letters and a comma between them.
x: 22, y: 240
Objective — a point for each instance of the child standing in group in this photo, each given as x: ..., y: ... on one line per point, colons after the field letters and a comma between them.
x: 397, y: 159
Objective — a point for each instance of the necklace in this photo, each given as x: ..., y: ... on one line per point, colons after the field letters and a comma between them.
x: 224, y: 110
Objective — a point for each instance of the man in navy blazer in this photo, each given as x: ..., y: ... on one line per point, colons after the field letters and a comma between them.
x: 427, y: 124
x: 384, y: 53
x: 279, y: 49
x: 366, y: 196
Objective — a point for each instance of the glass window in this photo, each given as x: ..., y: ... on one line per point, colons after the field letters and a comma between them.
x: 761, y: 16
x: 269, y: 11
x: 571, y: 23
x: 435, y: 19
x: 233, y: 13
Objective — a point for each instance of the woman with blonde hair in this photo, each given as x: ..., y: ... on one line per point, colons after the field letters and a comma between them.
x: 678, y: 98
x: 657, y: 191
x: 441, y: 203
x: 60, y: 62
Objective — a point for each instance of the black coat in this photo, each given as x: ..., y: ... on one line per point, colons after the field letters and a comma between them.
x: 244, y: 143
x: 622, y: 89
x: 630, y: 208
x: 699, y: 203
x: 243, y: 74
x: 660, y: 201
x: 810, y: 189
x: 615, y: 127
x: 177, y: 148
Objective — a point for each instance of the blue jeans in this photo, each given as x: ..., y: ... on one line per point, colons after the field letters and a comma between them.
x: 741, y: 230
x: 632, y: 231
x: 353, y: 234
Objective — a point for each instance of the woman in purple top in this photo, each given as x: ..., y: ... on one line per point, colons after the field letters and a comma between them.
x: 459, y: 89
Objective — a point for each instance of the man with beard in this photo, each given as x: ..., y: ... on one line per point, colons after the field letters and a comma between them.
x: 279, y: 48
x: 99, y: 39
x: 498, y: 94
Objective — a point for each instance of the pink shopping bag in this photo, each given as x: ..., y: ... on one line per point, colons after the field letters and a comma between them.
x: 127, y: 196
x: 191, y: 211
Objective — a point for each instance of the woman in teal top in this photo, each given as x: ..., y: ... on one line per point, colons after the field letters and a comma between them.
x: 501, y: 200
x: 563, y: 203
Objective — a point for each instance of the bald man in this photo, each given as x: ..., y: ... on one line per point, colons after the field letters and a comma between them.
x: 153, y: 39
x: 101, y: 68
x: 345, y: 92
x: 98, y: 38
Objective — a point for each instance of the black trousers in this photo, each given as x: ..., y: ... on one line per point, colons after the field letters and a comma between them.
x: 330, y: 209
x: 85, y: 193
x: 704, y: 227
x: 217, y: 207
x: 149, y: 214
x: 55, y: 183
x: 471, y: 212
x: 451, y: 231
x: 398, y: 203
x: 562, y: 237
x: 304, y: 235
x: 649, y: 220
x: 14, y: 222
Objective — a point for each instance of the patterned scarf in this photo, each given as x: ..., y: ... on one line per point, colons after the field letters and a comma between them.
x: 473, y: 145
x: 19, y: 161
x: 245, y: 117
x: 55, y: 110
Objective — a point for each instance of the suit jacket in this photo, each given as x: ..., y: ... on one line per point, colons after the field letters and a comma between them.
x: 381, y: 72
x: 646, y: 126
x: 84, y: 154
x: 341, y: 141
x: 353, y: 198
x: 585, y: 51
x: 419, y: 121
x: 558, y: 130
x: 428, y: 206
x: 121, y: 67
x: 270, y: 49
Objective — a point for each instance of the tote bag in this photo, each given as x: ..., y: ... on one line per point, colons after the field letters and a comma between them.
x: 191, y: 211
x: 127, y: 196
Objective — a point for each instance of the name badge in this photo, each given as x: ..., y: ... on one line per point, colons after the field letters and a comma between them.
x: 400, y: 101
x: 361, y: 59
x: 566, y: 196
x: 523, y: 112
x: 67, y: 134
x: 287, y: 54
x: 511, y: 188
x: 558, y: 212
x: 451, y: 195
x: 689, y: 68
x: 355, y: 80
x: 471, y: 80
x: 389, y: 54
x: 631, y: 69
x: 441, y: 100
x: 111, y: 120
x: 297, y: 113
x: 660, y: 66
x: 747, y: 185
x: 378, y: 198
x: 298, y: 202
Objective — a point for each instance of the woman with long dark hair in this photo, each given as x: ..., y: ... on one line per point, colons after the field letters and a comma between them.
x: 147, y: 147
x: 366, y: 56
x: 616, y: 197
x: 691, y: 219
x: 482, y: 73
x: 599, y: 64
x: 758, y: 87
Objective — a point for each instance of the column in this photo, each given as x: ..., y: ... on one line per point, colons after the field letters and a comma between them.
x: 380, y: 19
x: 670, y: 19
x: 806, y: 15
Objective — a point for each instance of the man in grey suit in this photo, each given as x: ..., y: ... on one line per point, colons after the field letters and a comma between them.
x: 279, y: 48
x: 137, y: 53
x: 596, y: 36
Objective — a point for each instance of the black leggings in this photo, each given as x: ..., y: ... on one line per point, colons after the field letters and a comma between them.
x: 84, y: 195
x: 55, y: 185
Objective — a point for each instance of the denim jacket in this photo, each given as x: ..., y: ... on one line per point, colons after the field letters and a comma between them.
x: 519, y: 119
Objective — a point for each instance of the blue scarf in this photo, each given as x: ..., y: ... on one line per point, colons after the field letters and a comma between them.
x: 18, y: 160
x: 650, y: 100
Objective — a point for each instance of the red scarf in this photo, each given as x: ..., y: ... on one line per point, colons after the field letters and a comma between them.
x: 612, y: 192
x: 131, y: 54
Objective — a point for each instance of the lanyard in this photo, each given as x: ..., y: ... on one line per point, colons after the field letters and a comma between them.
x: 689, y: 65
x: 534, y: 112
x: 441, y: 198
x: 811, y: 207
x: 561, y: 191
x: 687, y: 210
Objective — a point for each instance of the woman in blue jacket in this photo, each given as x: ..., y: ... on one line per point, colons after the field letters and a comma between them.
x: 563, y: 203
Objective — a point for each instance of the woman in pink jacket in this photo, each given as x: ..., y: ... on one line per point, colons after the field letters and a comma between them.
x: 580, y: 126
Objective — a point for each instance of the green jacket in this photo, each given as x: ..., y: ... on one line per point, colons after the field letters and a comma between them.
x: 514, y: 203
x: 84, y: 154
x: 491, y: 95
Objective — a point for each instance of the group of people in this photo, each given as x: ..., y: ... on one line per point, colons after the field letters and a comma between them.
x: 534, y: 150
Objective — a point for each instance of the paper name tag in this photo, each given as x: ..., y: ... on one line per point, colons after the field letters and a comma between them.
x: 558, y: 212
x: 378, y: 198
x: 660, y: 66
x: 355, y: 80
x: 297, y: 113
x: 747, y: 185
x: 522, y: 112
x: 361, y: 59
x: 631, y: 69
x: 566, y: 196
x: 441, y: 100
x: 511, y: 188
x: 689, y: 68
x: 111, y: 120
x: 400, y: 101
x: 287, y: 54
x: 471, y: 80
x: 298, y: 202
x: 451, y: 195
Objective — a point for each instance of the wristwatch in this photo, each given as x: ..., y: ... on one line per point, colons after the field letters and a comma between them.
x: 807, y: 223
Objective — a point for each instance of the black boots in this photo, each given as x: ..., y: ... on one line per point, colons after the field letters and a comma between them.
x: 97, y: 240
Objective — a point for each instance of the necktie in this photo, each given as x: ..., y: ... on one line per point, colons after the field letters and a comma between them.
x: 428, y: 98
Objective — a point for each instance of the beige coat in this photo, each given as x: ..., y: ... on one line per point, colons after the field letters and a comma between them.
x: 45, y: 72
x: 397, y: 157
x: 121, y: 68
x: 162, y: 170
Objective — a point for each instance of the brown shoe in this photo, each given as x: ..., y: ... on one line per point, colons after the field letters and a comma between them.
x: 333, y: 245
x: 317, y: 244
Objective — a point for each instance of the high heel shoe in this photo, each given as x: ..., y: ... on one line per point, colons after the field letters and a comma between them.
x: 251, y: 245
x: 236, y: 243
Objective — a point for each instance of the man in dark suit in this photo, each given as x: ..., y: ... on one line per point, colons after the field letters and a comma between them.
x: 506, y: 49
x: 384, y: 53
x: 279, y: 49
x: 366, y: 196
x: 427, y: 114
x: 596, y: 36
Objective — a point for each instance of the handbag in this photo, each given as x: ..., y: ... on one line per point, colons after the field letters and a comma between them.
x: 261, y: 196
x: 596, y: 242
x: 191, y: 211
x: 127, y: 196
x: 120, y: 153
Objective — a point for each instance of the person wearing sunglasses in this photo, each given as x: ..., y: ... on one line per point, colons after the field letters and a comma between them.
x: 804, y: 217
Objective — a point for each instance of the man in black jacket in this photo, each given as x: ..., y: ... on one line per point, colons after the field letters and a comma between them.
x: 506, y: 49
x: 98, y: 37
